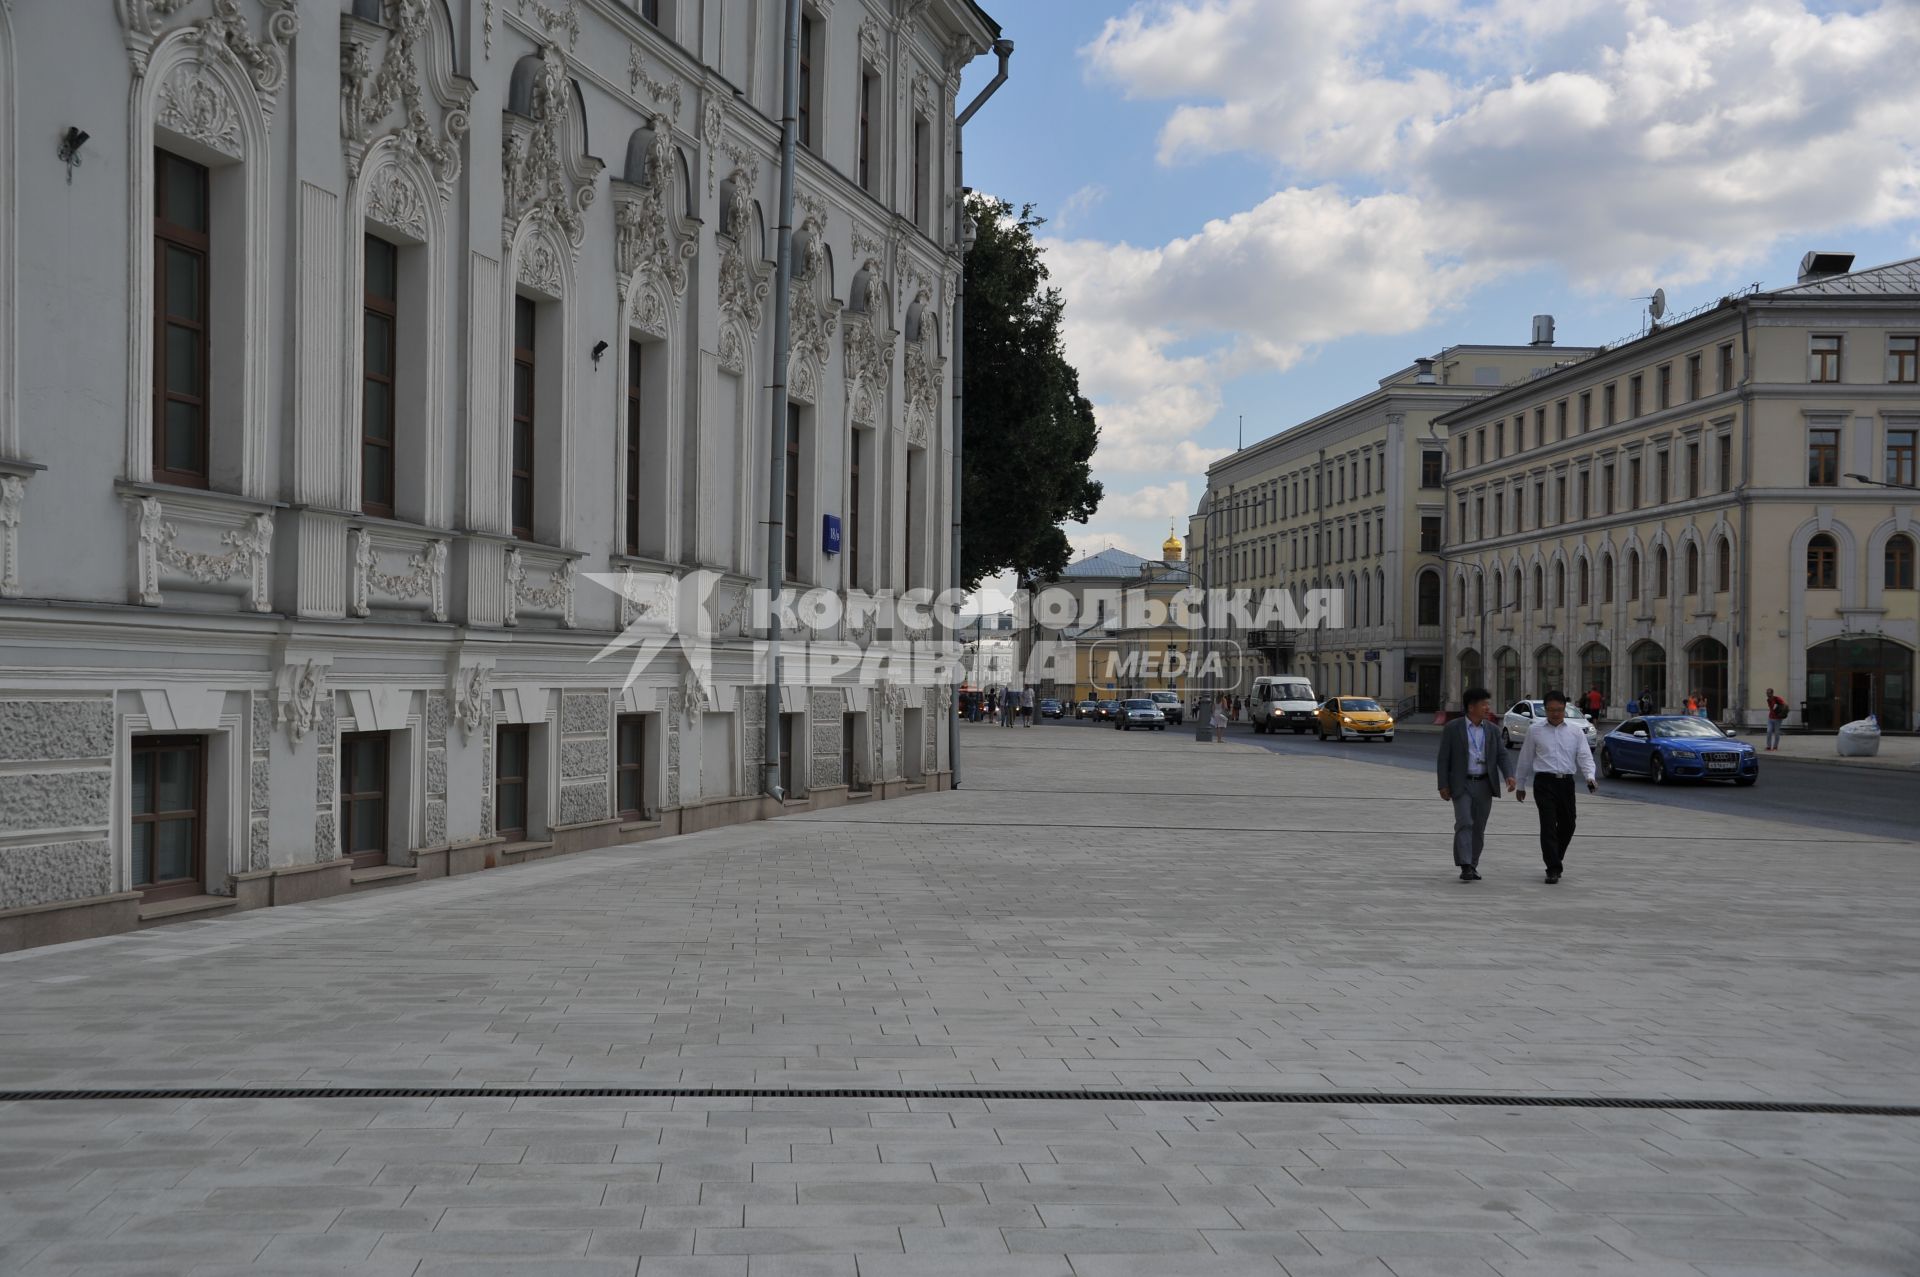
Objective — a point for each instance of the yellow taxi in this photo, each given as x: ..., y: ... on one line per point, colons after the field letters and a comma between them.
x: 1353, y: 718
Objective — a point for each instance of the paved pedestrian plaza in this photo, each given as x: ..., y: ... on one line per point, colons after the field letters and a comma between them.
x: 1093, y: 912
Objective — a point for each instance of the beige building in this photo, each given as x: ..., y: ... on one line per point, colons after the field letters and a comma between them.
x: 1126, y: 636
x: 1705, y: 508
x: 1352, y: 500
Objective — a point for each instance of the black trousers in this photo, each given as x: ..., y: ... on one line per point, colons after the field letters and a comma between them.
x: 1553, y: 800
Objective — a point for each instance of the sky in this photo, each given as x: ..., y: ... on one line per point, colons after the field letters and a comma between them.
x: 1258, y: 208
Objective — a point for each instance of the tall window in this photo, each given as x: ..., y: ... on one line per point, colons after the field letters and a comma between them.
x: 1634, y: 486
x: 1662, y: 571
x: 1560, y: 498
x: 363, y: 797
x: 630, y: 784
x: 1903, y: 359
x: 803, y: 129
x: 869, y: 107
x: 1585, y: 494
x: 1899, y: 562
x: 1900, y: 457
x: 1664, y: 463
x: 1664, y: 385
x: 512, y: 756
x: 523, y: 433
x: 1693, y: 376
x: 790, y: 528
x: 1726, y: 366
x: 1586, y: 582
x: 1724, y: 566
x: 180, y: 227
x: 1606, y: 489
x: 1726, y: 463
x: 1432, y: 468
x: 1823, y: 457
x: 910, y: 511
x: 1823, y: 361
x: 378, y: 368
x: 630, y: 514
x: 922, y: 172
x: 1693, y: 470
x: 1610, y: 402
x: 1633, y: 575
x: 1586, y: 411
x: 650, y: 10
x: 168, y: 818
x: 1823, y: 558
x: 1499, y: 440
x: 1560, y: 419
x: 1480, y: 446
x: 853, y: 510
x: 1606, y: 578
x: 1693, y: 568
x: 1429, y: 533
x: 1634, y: 401
x: 1539, y: 427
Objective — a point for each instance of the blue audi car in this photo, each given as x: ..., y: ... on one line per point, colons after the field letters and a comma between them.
x: 1664, y: 747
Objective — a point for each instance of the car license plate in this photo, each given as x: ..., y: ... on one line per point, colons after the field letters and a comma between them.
x: 1721, y: 767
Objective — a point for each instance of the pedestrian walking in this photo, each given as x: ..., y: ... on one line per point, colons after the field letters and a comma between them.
x: 1471, y: 766
x: 1647, y: 704
x: 1027, y: 707
x: 1553, y: 754
x: 1219, y: 719
x: 1693, y: 706
x: 1776, y: 715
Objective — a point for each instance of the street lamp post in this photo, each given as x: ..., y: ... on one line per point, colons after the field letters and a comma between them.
x: 1885, y: 483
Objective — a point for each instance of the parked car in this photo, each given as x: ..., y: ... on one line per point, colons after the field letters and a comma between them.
x: 1667, y: 747
x: 1050, y: 708
x: 1087, y: 709
x: 1282, y: 702
x: 1109, y: 710
x: 1142, y: 713
x: 1524, y: 714
x: 1169, y: 703
x: 1353, y: 718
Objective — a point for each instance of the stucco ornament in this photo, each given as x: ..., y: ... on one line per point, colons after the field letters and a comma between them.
x: 742, y: 284
x: 869, y: 346
x: 424, y: 576
x: 298, y: 692
x: 13, y: 494
x: 226, y: 29
x: 555, y: 596
x: 247, y: 552
x: 922, y: 376
x: 810, y: 312
x: 539, y: 266
x: 368, y: 98
x: 395, y: 201
x: 194, y: 105
x: 650, y: 250
x: 472, y: 692
x: 541, y: 166
x: 663, y: 93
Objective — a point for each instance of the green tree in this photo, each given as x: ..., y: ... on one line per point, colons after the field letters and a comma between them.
x: 1029, y: 433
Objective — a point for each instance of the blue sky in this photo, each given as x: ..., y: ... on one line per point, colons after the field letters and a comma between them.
x: 1260, y: 207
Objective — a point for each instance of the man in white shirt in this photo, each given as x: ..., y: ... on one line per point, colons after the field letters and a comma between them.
x: 1554, y: 753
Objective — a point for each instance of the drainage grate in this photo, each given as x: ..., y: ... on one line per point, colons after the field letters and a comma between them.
x: 958, y: 1093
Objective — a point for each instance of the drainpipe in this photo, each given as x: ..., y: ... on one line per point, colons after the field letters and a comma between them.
x: 1741, y: 612
x: 782, y: 343
x: 1003, y: 49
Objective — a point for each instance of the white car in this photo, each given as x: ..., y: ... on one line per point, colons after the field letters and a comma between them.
x: 1143, y: 714
x: 1516, y: 722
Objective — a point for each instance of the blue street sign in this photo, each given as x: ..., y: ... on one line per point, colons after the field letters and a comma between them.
x: 830, y: 533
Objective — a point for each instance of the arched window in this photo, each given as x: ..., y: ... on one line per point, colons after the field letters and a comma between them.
x: 1479, y: 594
x: 1606, y: 578
x: 1499, y: 590
x: 1539, y: 586
x: 1899, y: 562
x: 1515, y: 599
x: 1586, y: 582
x: 1559, y: 585
x: 1823, y: 557
x: 1693, y: 567
x: 1633, y: 576
x: 1662, y: 572
x: 1725, y: 566
x: 1460, y: 596
x: 1429, y: 605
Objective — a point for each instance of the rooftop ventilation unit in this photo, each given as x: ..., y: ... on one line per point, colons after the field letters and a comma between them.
x: 1543, y: 330
x: 1819, y: 265
x: 1423, y: 372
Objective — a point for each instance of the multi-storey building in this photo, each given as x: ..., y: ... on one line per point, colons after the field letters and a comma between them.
x: 1351, y: 501
x: 1720, y: 506
x: 1127, y: 633
x: 352, y: 336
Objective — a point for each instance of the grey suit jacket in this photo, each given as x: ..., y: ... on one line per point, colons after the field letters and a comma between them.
x: 1452, y: 765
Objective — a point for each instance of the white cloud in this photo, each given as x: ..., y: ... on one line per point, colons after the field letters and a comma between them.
x: 1424, y: 148
x: 1076, y: 206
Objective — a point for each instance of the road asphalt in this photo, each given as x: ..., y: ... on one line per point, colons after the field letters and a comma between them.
x: 1257, y: 1023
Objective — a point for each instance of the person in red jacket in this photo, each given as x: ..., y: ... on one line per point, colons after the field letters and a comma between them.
x: 1776, y: 715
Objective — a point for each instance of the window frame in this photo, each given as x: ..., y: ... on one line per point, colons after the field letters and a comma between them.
x: 630, y: 727
x: 1897, y: 562
x: 195, y: 883
x: 790, y: 510
x: 351, y: 796
x: 1823, y: 562
x: 1903, y: 365
x: 1823, y: 456
x: 1899, y: 455
x: 633, y: 454
x: 503, y: 781
x: 524, y: 428
x: 1824, y: 362
x: 387, y: 311
x: 170, y: 235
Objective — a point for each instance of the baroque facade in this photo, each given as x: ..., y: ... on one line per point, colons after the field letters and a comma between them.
x: 360, y: 342
x: 1723, y: 505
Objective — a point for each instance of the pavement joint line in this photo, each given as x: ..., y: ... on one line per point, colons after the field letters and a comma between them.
x: 1190, y: 1096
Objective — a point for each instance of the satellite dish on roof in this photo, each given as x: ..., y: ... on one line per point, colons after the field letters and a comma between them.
x: 1657, y: 304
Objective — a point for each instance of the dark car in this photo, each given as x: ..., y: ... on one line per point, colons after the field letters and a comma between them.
x: 1050, y: 708
x: 1087, y: 709
x: 1109, y: 710
x: 1666, y: 747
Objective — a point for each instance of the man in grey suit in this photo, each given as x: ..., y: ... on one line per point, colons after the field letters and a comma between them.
x: 1472, y: 763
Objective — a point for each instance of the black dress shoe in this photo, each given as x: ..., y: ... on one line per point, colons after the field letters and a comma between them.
x: 1466, y: 873
x: 1553, y: 876
x: 1473, y: 875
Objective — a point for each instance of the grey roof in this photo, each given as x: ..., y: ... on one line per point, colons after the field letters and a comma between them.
x: 1895, y: 279
x: 1109, y: 562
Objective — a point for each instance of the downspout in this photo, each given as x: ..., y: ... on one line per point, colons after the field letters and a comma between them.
x: 1004, y: 50
x: 782, y: 343
x: 1739, y: 611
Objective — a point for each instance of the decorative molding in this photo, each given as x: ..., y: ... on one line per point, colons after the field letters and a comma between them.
x: 486, y: 28
x: 869, y: 345
x: 713, y: 132
x: 471, y: 687
x: 543, y: 164
x: 742, y: 285
x: 194, y: 105
x: 555, y: 597
x: 538, y: 267
x: 554, y: 20
x: 424, y: 577
x: 247, y: 551
x: 226, y: 29
x: 649, y: 251
x: 810, y: 312
x: 298, y: 694
x: 366, y: 101
x: 13, y: 493
x: 871, y: 30
x: 662, y: 92
x: 396, y: 202
x: 924, y: 373
x: 635, y: 605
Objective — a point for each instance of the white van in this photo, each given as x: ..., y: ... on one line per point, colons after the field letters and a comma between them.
x: 1282, y: 701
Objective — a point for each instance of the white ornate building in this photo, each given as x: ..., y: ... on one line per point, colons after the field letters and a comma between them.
x: 353, y: 337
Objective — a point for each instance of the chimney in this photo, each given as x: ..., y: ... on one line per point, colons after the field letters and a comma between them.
x: 1819, y: 265
x: 1423, y: 372
x: 1543, y: 330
